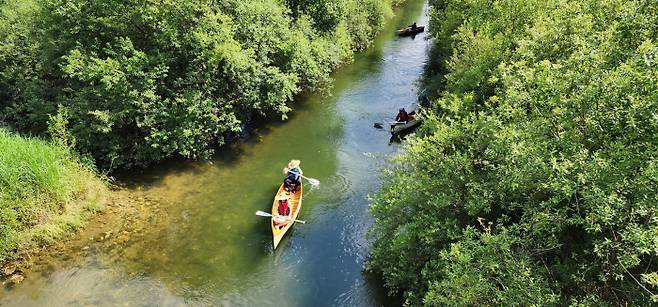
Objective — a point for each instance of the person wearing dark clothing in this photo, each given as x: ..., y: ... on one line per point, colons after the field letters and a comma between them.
x: 413, y: 26
x: 291, y: 184
x: 402, y: 116
x: 293, y: 176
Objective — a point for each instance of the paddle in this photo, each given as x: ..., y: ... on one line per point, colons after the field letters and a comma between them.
x: 380, y: 125
x: 314, y: 182
x: 265, y: 214
x: 394, y: 124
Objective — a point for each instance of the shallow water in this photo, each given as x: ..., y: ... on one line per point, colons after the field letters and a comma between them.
x: 194, y: 240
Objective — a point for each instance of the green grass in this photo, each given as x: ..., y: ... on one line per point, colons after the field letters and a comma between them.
x: 45, y: 192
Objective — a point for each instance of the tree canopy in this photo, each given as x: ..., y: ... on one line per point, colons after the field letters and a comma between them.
x: 142, y: 80
x: 535, y: 182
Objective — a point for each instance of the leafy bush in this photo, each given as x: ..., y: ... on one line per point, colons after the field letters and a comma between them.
x: 537, y: 182
x: 143, y: 81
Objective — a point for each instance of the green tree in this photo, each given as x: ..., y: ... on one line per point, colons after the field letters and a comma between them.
x: 536, y: 183
x: 146, y: 80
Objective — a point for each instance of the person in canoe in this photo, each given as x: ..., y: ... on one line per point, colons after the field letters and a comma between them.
x: 282, y: 217
x: 413, y: 26
x: 293, y: 176
x: 402, y: 116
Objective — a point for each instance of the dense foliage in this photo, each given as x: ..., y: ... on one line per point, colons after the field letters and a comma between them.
x: 143, y: 80
x: 537, y: 181
x: 43, y: 191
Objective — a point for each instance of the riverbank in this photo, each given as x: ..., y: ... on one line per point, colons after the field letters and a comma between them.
x: 54, y: 208
x: 535, y: 182
x: 112, y: 220
x: 46, y: 193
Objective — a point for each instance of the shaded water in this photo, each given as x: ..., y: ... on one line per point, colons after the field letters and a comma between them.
x: 197, y: 241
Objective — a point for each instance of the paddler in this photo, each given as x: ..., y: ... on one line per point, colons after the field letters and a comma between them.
x: 284, y: 204
x: 402, y: 116
x: 293, y: 176
x: 282, y: 217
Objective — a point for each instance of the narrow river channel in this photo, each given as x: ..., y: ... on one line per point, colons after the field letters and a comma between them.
x: 201, y: 244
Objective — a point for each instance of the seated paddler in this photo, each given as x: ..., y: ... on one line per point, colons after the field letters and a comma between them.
x: 402, y: 116
x: 282, y: 216
x: 293, y: 176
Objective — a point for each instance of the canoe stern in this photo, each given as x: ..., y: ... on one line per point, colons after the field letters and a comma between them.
x: 296, y: 204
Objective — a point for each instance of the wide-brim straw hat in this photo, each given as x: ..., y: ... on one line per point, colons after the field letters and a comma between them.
x: 294, y: 163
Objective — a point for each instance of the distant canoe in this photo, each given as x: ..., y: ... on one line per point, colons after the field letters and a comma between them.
x: 408, y: 31
x: 408, y: 126
x: 295, y: 203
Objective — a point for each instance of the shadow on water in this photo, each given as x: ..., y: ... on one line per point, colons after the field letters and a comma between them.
x: 400, y: 137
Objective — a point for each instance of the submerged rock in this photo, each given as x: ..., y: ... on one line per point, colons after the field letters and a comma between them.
x: 14, y: 279
x: 9, y: 269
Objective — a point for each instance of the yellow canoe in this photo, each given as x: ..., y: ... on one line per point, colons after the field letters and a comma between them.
x: 295, y: 203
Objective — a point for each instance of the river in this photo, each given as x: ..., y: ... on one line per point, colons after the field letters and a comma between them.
x: 193, y: 238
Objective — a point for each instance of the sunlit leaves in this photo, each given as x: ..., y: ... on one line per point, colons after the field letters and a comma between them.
x: 542, y: 160
x: 147, y: 80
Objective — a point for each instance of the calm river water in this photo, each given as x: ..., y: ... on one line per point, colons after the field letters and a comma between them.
x: 201, y: 244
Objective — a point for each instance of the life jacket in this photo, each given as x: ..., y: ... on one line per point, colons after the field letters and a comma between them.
x: 402, y: 117
x: 283, y: 208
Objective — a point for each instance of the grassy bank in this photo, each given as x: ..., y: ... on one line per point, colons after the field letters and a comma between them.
x: 45, y: 193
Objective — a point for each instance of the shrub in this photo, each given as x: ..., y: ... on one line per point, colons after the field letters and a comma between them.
x: 144, y: 81
x: 536, y: 184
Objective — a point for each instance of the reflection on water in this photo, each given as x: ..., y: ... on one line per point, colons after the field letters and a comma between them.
x: 192, y: 236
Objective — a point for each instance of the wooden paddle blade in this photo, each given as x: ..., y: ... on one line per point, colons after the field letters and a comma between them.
x: 262, y: 213
x: 314, y: 181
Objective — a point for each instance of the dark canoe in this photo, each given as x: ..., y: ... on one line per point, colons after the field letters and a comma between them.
x: 403, y: 128
x: 408, y: 31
